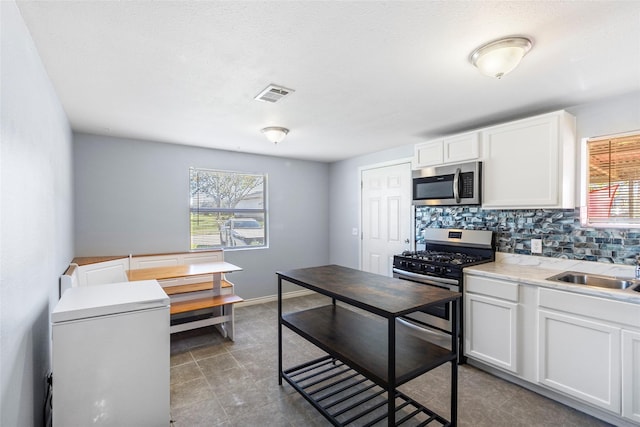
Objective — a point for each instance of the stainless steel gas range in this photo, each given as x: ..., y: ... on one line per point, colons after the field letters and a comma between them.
x: 440, y: 264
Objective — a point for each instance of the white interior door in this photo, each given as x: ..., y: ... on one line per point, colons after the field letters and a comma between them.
x: 386, y: 216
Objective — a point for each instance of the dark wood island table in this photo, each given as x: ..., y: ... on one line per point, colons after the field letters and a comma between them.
x: 367, y: 356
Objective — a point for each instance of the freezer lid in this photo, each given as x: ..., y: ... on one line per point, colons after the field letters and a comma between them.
x: 101, y: 300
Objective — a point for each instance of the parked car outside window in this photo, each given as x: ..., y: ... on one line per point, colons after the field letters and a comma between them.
x: 241, y: 231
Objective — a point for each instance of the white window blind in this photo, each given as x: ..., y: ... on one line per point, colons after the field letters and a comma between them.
x: 613, y: 181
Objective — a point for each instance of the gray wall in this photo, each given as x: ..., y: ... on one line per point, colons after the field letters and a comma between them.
x: 35, y: 219
x: 132, y: 197
x: 613, y: 115
x: 609, y: 116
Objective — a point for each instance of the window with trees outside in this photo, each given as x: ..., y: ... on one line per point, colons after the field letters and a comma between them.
x: 612, y: 181
x: 227, y: 209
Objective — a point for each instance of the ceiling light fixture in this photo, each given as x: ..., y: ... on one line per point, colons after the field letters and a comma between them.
x: 275, y: 134
x: 499, y: 57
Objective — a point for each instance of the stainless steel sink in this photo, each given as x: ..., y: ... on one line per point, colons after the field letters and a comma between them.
x: 595, y: 280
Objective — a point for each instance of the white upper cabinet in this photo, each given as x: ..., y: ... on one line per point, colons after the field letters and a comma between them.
x: 452, y: 149
x: 462, y: 148
x: 530, y: 163
x: 428, y: 154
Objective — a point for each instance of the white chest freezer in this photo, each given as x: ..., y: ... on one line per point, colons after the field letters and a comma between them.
x: 110, y: 356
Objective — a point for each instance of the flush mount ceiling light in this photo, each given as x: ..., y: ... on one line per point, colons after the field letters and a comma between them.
x: 275, y: 134
x: 499, y: 57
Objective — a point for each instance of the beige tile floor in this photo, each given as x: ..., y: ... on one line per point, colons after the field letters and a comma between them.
x: 216, y: 382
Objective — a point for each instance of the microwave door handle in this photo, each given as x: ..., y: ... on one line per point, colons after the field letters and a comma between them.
x: 456, y: 180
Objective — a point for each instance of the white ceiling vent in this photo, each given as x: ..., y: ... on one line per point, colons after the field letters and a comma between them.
x: 273, y: 93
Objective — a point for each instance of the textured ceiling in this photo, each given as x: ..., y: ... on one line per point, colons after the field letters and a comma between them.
x: 367, y: 75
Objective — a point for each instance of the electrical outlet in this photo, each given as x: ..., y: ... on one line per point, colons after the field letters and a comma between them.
x: 536, y: 246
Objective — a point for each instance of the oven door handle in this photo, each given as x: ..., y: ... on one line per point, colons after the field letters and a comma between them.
x: 430, y: 280
x: 422, y: 330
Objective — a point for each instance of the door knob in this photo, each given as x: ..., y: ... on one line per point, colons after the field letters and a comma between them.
x: 406, y: 240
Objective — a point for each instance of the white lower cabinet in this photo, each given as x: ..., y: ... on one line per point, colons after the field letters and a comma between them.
x: 491, y: 322
x: 589, y: 348
x: 581, y: 347
x: 631, y: 375
x: 580, y: 358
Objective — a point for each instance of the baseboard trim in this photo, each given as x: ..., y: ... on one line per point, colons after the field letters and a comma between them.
x: 272, y: 298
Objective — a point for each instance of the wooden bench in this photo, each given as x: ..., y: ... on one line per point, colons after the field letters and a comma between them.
x: 216, y: 310
x: 194, y: 287
x: 203, y: 303
x: 195, y: 282
x: 188, y: 299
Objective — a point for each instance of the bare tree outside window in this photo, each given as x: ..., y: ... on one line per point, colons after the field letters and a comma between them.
x: 227, y: 209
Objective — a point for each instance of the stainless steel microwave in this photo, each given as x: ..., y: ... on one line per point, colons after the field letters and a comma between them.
x: 448, y: 185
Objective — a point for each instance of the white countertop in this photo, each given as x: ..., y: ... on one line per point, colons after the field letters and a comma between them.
x: 534, y: 270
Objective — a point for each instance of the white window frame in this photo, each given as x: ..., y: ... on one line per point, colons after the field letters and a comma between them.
x: 228, y: 213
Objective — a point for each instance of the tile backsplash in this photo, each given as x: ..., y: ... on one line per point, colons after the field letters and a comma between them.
x: 560, y: 230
